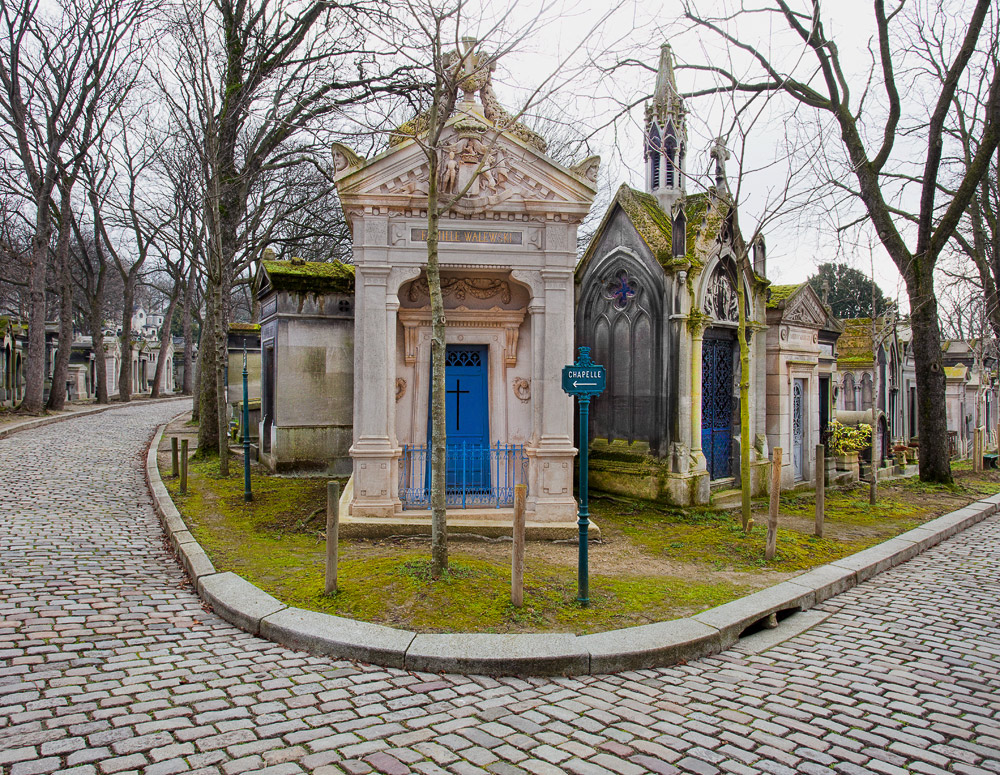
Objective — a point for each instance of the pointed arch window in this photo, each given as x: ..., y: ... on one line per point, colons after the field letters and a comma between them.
x: 866, y: 391
x: 670, y: 154
x: 720, y: 297
x: 678, y: 242
x: 849, y: 395
x: 653, y: 150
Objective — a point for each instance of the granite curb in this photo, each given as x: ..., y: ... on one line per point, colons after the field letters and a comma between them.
x: 38, y: 422
x: 653, y: 645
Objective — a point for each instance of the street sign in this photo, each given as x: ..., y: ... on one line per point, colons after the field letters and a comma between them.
x: 584, y: 380
x: 579, y: 379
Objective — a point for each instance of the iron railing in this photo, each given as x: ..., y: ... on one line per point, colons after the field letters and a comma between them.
x: 477, y: 475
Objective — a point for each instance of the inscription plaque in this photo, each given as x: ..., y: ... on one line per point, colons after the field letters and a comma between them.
x: 471, y: 236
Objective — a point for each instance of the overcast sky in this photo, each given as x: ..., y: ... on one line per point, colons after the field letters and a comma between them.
x: 636, y: 31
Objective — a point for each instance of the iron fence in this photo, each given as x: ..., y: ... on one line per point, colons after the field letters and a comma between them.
x: 477, y: 475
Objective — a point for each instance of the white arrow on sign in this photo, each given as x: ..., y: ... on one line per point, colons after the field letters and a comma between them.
x: 591, y: 384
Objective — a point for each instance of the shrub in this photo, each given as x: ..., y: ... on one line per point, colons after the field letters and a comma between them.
x: 847, y: 440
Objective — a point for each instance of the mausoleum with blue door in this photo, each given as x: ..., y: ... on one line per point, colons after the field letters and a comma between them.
x: 507, y: 255
x: 656, y: 300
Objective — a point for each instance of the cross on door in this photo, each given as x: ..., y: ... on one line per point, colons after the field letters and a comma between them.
x: 458, y: 393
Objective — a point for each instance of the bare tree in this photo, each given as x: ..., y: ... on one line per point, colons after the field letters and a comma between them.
x: 128, y: 233
x: 58, y: 70
x: 94, y: 280
x: 256, y: 79
x: 869, y: 176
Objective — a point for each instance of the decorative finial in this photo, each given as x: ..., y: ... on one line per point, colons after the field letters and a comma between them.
x: 721, y: 155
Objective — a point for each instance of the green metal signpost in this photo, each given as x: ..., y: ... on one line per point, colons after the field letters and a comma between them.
x: 584, y: 380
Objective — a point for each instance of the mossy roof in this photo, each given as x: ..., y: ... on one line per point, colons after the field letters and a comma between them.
x: 655, y: 226
x: 244, y: 328
x: 780, y: 293
x: 955, y: 372
x: 310, y: 276
x: 855, y: 344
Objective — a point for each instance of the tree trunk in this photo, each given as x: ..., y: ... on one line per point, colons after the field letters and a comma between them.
x: 125, y: 340
x: 188, y: 382
x: 744, y: 409
x: 34, y: 385
x: 221, y: 360
x: 208, y: 427
x: 97, y: 341
x: 932, y: 425
x: 164, y: 341
x: 60, y: 372
x: 439, y: 441
x: 57, y: 394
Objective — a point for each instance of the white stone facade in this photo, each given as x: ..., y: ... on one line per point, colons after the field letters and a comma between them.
x: 507, y: 255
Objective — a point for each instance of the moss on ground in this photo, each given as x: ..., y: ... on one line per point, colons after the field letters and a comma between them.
x: 277, y: 542
x: 714, y: 538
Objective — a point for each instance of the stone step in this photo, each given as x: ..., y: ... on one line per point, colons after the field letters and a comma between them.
x: 727, y: 499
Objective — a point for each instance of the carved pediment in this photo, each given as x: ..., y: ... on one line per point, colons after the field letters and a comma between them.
x: 494, y: 175
x: 806, y: 309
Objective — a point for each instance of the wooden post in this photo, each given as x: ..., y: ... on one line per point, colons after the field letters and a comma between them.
x: 517, y: 557
x: 772, y: 516
x: 820, y: 487
x: 184, y: 466
x: 332, y: 534
x: 174, y: 469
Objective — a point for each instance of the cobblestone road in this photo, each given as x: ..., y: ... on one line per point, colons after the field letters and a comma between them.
x: 109, y: 663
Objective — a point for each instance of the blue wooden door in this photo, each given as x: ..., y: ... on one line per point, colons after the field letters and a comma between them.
x: 717, y: 405
x: 466, y: 419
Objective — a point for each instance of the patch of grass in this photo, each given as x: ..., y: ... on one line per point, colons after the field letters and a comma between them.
x: 277, y: 542
x: 713, y: 537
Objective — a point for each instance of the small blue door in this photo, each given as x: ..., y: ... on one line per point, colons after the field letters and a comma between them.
x: 467, y: 419
x: 717, y: 405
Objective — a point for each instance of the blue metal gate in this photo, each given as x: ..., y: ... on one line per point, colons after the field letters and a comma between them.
x: 477, y: 475
x: 717, y: 405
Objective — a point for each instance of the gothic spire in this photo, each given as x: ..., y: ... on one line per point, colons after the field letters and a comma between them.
x: 665, y: 141
x: 668, y: 105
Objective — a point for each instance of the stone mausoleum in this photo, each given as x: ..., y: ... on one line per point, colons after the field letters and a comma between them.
x: 307, y: 365
x: 657, y: 302
x: 507, y: 257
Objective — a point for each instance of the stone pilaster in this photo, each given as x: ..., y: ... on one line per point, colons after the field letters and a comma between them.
x: 554, y: 452
x: 373, y: 449
x: 697, y: 328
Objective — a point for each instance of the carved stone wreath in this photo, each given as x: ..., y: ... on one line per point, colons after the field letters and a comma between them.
x: 481, y: 288
x: 720, y: 298
x: 400, y: 388
x: 522, y: 389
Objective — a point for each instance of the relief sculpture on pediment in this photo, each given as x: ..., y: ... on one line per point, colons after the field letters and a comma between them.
x: 461, y: 287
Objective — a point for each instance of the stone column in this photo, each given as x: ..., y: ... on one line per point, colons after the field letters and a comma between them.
x: 697, y: 328
x: 683, y: 374
x: 373, y: 451
x: 555, y: 453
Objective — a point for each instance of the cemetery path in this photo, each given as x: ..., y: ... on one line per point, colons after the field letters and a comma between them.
x: 109, y: 663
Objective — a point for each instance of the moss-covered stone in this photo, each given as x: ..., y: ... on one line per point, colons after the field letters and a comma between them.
x: 780, y: 293
x: 244, y: 328
x: 310, y: 276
